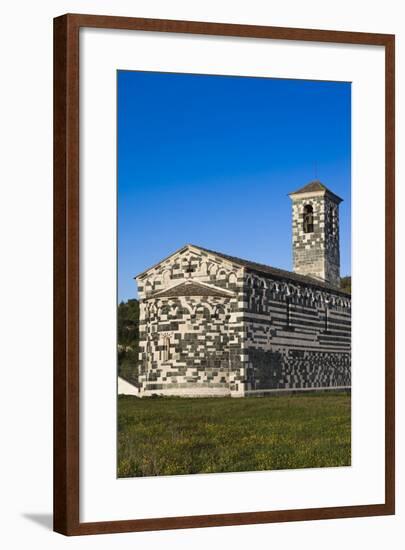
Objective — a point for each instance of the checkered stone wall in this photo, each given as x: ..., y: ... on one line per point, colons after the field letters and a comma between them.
x: 316, y: 253
x: 190, y: 345
x: 296, y: 337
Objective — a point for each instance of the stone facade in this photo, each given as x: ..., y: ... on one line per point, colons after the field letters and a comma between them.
x: 297, y: 336
x: 216, y: 325
x: 190, y: 329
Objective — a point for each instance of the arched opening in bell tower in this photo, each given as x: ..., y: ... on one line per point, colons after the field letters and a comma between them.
x: 308, y: 219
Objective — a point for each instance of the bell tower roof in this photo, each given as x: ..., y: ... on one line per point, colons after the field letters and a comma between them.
x: 315, y: 188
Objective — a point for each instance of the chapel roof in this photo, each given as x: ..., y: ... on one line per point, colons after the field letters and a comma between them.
x: 273, y: 271
x: 191, y: 288
x: 251, y: 266
x: 314, y: 187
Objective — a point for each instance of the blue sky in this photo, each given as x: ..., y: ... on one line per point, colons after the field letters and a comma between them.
x: 209, y: 160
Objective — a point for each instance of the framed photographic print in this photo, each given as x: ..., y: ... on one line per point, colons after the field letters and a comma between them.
x: 223, y: 274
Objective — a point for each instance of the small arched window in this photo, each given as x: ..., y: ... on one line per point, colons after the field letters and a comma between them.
x: 166, y: 348
x: 308, y: 222
x: 326, y: 318
x: 288, y: 311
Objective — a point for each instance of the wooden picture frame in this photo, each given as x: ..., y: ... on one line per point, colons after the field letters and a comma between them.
x: 67, y: 283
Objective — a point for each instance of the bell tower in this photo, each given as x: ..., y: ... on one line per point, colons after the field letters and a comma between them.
x: 315, y: 230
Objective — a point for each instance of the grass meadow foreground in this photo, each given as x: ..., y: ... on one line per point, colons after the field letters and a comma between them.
x: 167, y: 436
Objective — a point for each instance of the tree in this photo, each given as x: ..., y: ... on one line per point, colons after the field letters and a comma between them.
x: 128, y: 339
x: 346, y: 284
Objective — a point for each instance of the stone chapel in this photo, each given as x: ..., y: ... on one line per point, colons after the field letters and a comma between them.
x: 217, y: 325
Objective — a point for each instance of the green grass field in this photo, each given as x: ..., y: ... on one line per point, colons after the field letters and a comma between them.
x: 166, y: 436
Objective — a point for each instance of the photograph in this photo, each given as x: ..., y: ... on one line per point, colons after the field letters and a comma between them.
x: 234, y: 274
x: 194, y: 193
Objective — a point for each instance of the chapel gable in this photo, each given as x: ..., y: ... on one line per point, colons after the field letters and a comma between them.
x: 189, y: 263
